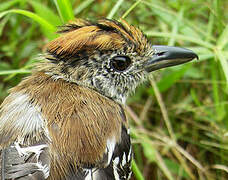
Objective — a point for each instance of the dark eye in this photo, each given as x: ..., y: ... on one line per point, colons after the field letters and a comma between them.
x: 120, y: 63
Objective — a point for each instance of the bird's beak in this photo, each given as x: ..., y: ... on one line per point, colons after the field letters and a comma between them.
x: 165, y: 56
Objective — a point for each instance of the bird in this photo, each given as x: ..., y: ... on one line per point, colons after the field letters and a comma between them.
x: 67, y: 120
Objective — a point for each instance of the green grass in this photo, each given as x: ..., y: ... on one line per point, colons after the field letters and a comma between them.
x: 179, y: 118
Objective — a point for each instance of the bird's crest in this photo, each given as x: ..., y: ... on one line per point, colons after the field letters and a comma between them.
x: 82, y: 35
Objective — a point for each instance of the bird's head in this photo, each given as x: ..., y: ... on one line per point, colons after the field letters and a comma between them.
x: 108, y: 56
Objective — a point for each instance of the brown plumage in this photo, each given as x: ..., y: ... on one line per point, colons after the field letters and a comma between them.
x: 67, y: 120
x: 84, y: 118
x: 105, y: 34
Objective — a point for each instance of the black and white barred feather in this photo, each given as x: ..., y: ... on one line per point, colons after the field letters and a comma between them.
x: 29, y: 163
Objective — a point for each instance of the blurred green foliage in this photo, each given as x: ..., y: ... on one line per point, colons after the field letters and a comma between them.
x: 182, y: 135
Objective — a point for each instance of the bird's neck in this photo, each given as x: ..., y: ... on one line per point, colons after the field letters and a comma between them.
x: 84, y: 79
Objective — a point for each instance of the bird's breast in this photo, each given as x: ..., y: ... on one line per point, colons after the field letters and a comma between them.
x: 80, y: 121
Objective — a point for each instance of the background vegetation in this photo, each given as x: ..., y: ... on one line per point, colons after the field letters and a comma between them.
x: 179, y: 119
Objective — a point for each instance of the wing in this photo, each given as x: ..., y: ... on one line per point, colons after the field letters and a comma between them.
x: 119, y: 165
x: 25, y: 163
x: 24, y: 152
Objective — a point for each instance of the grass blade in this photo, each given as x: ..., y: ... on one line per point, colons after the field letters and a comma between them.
x: 131, y: 8
x: 43, y: 11
x: 224, y: 63
x: 163, y: 166
x: 170, y: 79
x: 223, y: 39
x: 175, y: 28
x: 8, y: 4
x: 65, y: 10
x: 162, y: 107
x: 16, y: 71
x: 49, y: 28
x: 181, y: 37
x: 2, y: 23
x: 137, y: 172
x: 82, y: 6
x: 115, y: 9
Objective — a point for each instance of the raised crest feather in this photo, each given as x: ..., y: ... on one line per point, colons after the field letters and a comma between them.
x: 105, y: 34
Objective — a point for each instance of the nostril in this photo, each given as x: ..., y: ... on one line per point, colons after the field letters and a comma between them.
x: 160, y: 53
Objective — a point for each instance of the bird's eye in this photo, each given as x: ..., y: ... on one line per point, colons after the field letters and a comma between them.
x: 120, y: 63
